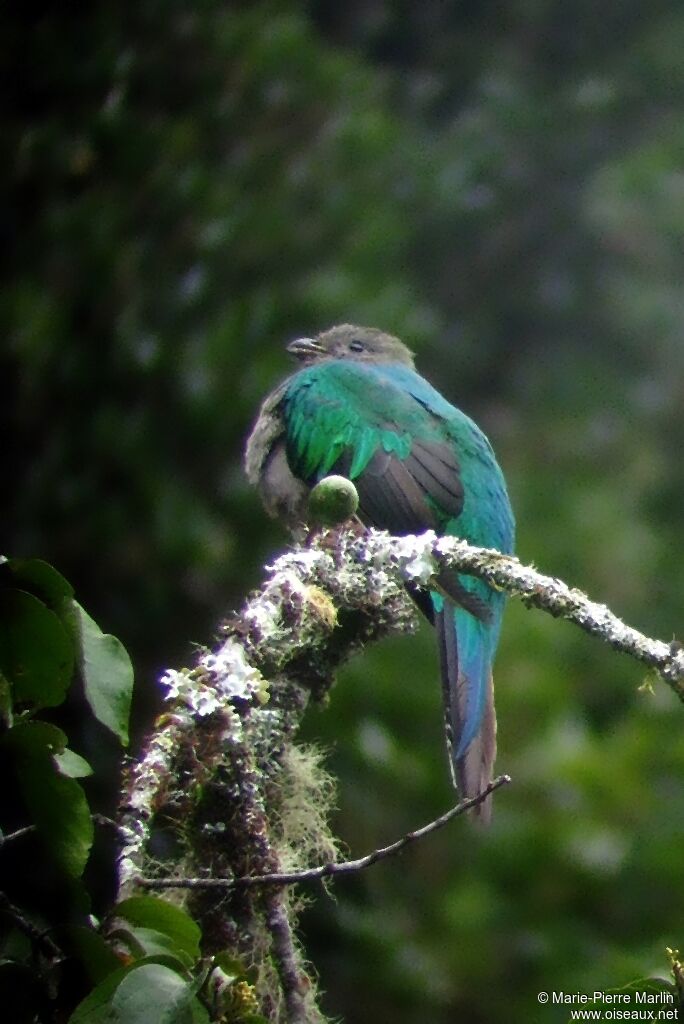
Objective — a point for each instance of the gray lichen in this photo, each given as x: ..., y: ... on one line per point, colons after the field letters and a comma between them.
x: 221, y: 777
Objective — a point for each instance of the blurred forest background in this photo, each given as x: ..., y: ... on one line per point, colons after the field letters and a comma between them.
x: 189, y: 186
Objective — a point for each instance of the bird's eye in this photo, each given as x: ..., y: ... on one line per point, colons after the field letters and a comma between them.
x: 356, y: 345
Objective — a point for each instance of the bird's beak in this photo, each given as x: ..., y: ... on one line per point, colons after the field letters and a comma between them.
x: 305, y: 348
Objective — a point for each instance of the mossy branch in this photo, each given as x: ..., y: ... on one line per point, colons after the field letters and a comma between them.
x: 221, y: 785
x: 421, y: 559
x: 221, y: 780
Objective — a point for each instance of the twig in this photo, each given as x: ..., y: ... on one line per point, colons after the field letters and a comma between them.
x: 347, y: 867
x: 18, y: 834
x: 27, y: 830
x: 36, y: 935
x: 107, y: 822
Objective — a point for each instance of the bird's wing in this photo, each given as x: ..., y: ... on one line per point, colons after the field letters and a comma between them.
x: 354, y: 419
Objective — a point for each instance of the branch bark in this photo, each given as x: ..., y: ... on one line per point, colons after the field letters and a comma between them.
x: 218, y: 770
x: 420, y: 559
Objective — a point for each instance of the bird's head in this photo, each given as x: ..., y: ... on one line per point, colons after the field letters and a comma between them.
x: 361, y: 344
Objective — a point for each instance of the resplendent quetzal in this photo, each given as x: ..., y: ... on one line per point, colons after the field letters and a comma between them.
x: 358, y: 408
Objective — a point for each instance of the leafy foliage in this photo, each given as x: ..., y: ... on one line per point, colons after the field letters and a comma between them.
x: 48, y: 824
x: 143, y: 963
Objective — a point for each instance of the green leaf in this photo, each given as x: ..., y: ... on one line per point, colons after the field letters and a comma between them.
x: 26, y: 738
x: 72, y: 764
x: 36, y: 652
x: 153, y: 994
x: 6, y: 716
x: 57, y: 803
x: 231, y: 966
x: 150, y: 942
x: 96, y: 1007
x: 147, y: 991
x: 107, y: 673
x: 41, y: 579
x: 200, y: 1014
x: 91, y: 949
x: 653, y: 986
x: 16, y: 946
x: 153, y: 912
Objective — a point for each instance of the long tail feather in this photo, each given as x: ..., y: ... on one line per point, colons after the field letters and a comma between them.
x: 474, y: 769
x: 470, y: 720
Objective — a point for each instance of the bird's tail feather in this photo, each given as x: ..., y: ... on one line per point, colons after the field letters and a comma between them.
x: 470, y: 720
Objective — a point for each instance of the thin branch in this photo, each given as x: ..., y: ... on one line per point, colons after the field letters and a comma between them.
x: 420, y: 559
x: 27, y: 830
x: 39, y: 937
x: 106, y: 822
x: 365, y: 572
x: 18, y: 834
x: 347, y: 867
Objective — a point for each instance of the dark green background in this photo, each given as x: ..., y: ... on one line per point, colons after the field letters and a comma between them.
x: 189, y: 186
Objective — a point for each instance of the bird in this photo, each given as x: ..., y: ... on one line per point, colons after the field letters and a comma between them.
x: 357, y: 407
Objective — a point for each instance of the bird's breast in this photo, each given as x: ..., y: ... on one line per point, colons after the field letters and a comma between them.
x: 284, y: 495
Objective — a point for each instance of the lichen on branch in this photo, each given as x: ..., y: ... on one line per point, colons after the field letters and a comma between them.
x: 221, y: 779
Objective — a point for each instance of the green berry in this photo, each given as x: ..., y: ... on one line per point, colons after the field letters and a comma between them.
x: 332, y: 501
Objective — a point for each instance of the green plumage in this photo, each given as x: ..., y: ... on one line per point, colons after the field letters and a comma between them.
x: 359, y: 409
x: 336, y: 409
